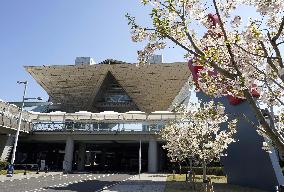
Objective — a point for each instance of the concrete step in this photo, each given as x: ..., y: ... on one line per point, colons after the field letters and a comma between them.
x: 8, y: 147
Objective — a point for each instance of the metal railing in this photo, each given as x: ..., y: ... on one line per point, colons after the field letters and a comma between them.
x: 12, y: 122
x: 9, y: 116
x: 94, y: 127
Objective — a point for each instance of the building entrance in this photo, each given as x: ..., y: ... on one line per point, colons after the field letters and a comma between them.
x: 103, y: 156
x: 121, y: 157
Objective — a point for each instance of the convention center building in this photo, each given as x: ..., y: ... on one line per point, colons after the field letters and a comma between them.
x: 99, y: 117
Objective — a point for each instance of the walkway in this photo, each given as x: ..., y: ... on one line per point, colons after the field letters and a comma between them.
x: 146, y: 183
x: 20, y: 176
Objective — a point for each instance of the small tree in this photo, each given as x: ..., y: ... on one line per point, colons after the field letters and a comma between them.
x: 243, y: 55
x: 198, y: 134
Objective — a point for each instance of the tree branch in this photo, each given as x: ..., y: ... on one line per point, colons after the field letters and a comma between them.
x: 181, y: 16
x: 269, y: 132
x: 276, y: 49
x: 269, y: 60
x: 279, y: 31
x: 229, y: 48
x: 272, y: 92
x: 280, y: 43
x: 265, y: 76
x: 254, y: 54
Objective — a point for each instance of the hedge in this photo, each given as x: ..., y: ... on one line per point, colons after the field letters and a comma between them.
x: 218, y: 171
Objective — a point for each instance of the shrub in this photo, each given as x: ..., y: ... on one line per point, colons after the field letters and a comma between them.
x: 3, y: 165
x: 218, y: 171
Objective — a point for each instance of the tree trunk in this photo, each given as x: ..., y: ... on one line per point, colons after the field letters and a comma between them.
x: 190, y: 171
x: 204, y: 184
x: 190, y: 165
x: 204, y: 170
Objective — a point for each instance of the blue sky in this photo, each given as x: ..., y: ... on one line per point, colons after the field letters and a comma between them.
x: 48, y: 32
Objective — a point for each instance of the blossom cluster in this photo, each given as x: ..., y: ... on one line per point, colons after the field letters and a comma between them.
x: 199, y: 134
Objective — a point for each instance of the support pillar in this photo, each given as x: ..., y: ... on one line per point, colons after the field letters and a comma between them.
x: 81, y: 156
x: 103, y: 159
x: 152, y: 156
x: 68, y: 157
x: 6, y: 146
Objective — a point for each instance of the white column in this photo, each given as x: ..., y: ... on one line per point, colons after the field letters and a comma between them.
x: 152, y: 156
x: 81, y: 156
x: 68, y: 157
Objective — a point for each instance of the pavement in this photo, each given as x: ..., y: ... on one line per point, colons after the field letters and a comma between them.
x: 82, y: 182
x: 144, y: 183
x: 32, y: 174
x: 77, y: 182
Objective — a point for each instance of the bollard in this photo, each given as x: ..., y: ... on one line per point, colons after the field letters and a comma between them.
x: 193, y: 180
x: 37, y: 171
x: 25, y: 170
x: 205, y: 185
x: 10, y: 170
x: 209, y: 185
x: 189, y: 176
x: 280, y: 188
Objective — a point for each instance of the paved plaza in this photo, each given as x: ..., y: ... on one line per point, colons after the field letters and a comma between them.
x: 29, y: 175
x: 146, y: 182
x: 82, y: 182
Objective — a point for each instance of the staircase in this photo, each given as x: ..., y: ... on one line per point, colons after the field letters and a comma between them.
x: 6, y: 146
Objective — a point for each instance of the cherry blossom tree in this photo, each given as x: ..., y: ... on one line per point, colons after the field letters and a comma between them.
x: 198, y: 134
x: 234, y: 55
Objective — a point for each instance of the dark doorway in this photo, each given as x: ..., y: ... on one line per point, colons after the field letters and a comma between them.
x: 121, y: 157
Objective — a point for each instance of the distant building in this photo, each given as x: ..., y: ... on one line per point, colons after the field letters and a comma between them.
x: 155, y: 59
x: 84, y: 61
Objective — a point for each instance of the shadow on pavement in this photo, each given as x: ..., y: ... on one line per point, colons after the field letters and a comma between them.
x: 84, y: 186
x: 95, y: 185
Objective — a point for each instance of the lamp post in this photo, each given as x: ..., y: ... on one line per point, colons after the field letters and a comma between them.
x: 20, y: 120
x: 140, y: 156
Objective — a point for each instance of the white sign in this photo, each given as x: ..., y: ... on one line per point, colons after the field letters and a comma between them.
x: 42, y: 165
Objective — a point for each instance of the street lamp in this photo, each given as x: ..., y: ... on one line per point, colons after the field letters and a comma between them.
x: 20, y: 120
